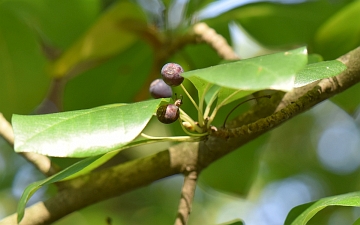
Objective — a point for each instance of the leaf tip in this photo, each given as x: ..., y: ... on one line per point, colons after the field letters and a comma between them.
x: 305, y: 52
x: 20, y: 216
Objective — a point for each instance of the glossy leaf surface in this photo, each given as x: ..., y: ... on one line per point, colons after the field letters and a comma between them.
x: 318, y: 71
x: 275, y: 71
x: 82, y: 133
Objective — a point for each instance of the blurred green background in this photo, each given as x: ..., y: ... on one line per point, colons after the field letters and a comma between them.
x: 100, y: 62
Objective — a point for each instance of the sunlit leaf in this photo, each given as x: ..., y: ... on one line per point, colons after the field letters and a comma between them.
x: 300, y: 215
x: 318, y: 71
x: 82, y: 133
x: 275, y: 71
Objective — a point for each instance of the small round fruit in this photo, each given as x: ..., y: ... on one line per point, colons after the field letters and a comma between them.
x: 171, y: 74
x: 159, y: 89
x: 169, y: 113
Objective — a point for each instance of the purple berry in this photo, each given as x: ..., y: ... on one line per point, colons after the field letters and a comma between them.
x: 159, y: 89
x: 171, y: 74
x: 169, y: 113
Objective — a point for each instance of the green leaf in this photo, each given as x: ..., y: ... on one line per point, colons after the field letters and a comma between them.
x: 23, y: 82
x: 32, y: 188
x: 300, y: 215
x: 234, y: 184
x: 225, y: 95
x: 275, y: 71
x: 274, y: 24
x: 80, y: 168
x: 113, y: 78
x: 60, y: 23
x: 195, y: 5
x: 318, y: 71
x: 357, y: 222
x: 314, y: 58
x: 340, y: 33
x: 228, y: 95
x: 106, y: 157
x: 82, y: 133
x: 111, y: 34
x: 233, y: 222
x: 201, y: 86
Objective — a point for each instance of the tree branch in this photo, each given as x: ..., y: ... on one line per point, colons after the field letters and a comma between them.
x: 215, y: 40
x: 90, y: 188
x: 100, y: 185
x: 187, y: 196
x: 6, y: 130
x: 294, y: 103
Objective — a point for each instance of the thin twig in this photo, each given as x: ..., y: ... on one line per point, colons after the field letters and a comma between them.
x: 215, y: 40
x: 41, y: 162
x: 6, y: 130
x: 187, y: 197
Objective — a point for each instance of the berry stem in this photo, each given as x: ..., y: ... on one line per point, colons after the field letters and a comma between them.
x: 192, y: 134
x: 191, y: 99
x: 187, y: 118
x: 201, y: 106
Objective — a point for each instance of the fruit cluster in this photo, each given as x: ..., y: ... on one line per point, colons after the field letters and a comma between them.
x: 161, y: 88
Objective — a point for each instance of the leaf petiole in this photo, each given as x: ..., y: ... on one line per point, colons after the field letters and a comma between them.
x: 201, y: 106
x: 208, y: 107
x: 213, y: 114
x: 175, y: 138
